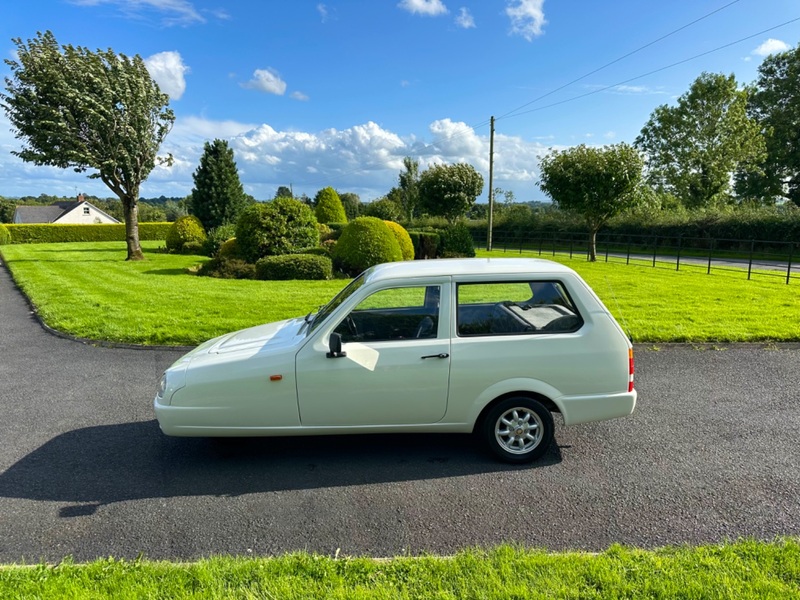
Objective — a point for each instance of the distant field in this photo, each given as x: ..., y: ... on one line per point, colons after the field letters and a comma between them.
x: 88, y: 290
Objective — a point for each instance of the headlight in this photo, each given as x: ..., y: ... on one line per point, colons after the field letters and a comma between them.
x: 162, y: 386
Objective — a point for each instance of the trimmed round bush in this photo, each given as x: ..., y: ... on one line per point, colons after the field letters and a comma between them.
x: 227, y: 268
x: 325, y: 232
x: 403, y: 239
x: 184, y: 230
x: 229, y: 249
x: 329, y: 207
x: 336, y: 230
x: 193, y: 248
x: 294, y: 266
x: 426, y: 244
x: 328, y: 246
x: 217, y: 237
x: 456, y: 241
x: 5, y: 235
x: 281, y: 226
x: 366, y: 241
x: 316, y: 250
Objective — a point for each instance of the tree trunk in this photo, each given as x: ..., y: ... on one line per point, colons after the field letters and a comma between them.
x: 130, y: 206
x: 592, y: 245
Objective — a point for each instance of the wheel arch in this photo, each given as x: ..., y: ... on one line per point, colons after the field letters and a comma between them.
x: 546, y: 402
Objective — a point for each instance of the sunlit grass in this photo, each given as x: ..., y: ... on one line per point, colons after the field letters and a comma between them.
x: 89, y: 290
x: 664, y: 305
x: 741, y: 570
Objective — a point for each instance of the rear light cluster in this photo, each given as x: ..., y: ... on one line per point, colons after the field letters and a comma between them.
x: 630, y: 369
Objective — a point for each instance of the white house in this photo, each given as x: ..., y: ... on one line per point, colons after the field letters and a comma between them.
x: 79, y: 212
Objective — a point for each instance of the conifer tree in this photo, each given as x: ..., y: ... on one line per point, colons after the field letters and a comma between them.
x: 217, y: 197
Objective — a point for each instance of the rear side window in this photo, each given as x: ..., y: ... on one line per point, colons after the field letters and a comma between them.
x: 515, y: 308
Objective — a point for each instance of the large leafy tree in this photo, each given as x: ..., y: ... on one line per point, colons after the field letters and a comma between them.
x: 409, y: 187
x: 449, y: 190
x: 694, y: 148
x: 89, y: 110
x: 775, y: 105
x: 284, y: 192
x: 7, y: 208
x: 597, y: 183
x: 217, y: 197
x: 352, y: 205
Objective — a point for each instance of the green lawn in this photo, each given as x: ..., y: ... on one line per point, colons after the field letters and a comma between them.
x: 88, y: 290
x: 738, y: 571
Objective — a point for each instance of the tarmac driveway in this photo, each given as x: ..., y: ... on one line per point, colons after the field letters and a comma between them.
x: 712, y: 452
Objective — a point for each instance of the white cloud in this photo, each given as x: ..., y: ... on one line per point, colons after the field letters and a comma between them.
x: 299, y: 96
x: 610, y: 135
x: 323, y: 11
x: 430, y: 8
x: 367, y: 158
x: 465, y: 19
x: 771, y: 46
x: 167, y: 69
x: 190, y: 129
x: 527, y: 17
x: 266, y: 80
x: 176, y: 12
x: 364, y: 159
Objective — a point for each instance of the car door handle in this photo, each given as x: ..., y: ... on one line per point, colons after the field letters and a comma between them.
x: 442, y: 355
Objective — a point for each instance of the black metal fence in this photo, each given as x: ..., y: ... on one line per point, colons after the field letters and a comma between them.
x: 753, y: 257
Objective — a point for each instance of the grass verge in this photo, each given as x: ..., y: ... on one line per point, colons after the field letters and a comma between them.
x: 90, y: 291
x: 745, y: 569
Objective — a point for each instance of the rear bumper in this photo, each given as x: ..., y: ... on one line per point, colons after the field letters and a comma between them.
x: 585, y: 409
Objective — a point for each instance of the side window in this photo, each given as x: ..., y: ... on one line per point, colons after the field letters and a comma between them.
x: 513, y: 308
x: 403, y: 313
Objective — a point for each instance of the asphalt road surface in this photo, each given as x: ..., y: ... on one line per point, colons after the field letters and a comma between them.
x: 711, y: 453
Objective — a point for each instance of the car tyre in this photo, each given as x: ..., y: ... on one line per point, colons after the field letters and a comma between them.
x: 518, y: 429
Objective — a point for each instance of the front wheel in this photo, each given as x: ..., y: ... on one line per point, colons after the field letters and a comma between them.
x: 518, y: 429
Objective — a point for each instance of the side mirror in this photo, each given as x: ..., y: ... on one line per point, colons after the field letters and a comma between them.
x: 335, y: 345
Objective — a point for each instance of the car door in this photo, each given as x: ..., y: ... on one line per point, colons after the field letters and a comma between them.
x: 396, y: 366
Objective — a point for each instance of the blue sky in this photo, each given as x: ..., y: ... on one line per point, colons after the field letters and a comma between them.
x: 336, y: 93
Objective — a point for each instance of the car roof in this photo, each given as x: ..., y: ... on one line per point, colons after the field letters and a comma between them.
x: 465, y: 266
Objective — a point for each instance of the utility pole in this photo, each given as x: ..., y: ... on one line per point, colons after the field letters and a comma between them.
x: 491, y: 189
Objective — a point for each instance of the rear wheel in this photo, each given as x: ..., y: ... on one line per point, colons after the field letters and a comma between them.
x: 518, y: 429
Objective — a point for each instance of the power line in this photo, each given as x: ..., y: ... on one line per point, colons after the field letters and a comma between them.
x: 675, y: 64
x: 597, y: 70
x: 616, y: 60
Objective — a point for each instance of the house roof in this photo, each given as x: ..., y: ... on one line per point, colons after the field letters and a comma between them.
x: 42, y: 214
x: 50, y: 213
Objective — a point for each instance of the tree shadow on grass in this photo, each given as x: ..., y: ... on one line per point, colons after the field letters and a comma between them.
x: 183, y: 271
x: 94, y: 466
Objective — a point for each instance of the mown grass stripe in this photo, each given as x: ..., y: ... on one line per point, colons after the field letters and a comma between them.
x: 89, y: 290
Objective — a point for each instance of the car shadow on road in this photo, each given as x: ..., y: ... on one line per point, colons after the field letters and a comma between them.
x: 94, y: 466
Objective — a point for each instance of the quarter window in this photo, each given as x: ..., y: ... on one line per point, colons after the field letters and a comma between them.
x: 513, y: 308
x: 403, y: 313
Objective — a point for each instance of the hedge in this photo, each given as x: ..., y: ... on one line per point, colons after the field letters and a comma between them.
x: 772, y: 224
x: 42, y: 233
x: 294, y: 266
x: 426, y: 244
